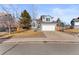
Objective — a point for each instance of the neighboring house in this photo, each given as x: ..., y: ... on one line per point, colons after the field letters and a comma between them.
x: 76, y: 23
x: 34, y: 24
x: 5, y: 21
x: 45, y: 23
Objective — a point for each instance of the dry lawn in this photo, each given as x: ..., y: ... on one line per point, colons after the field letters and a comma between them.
x: 23, y: 34
x: 28, y: 34
x: 72, y: 30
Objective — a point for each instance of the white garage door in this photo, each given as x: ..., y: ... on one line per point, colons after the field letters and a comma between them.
x: 48, y: 27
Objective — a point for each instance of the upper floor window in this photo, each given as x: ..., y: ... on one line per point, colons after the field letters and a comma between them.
x: 47, y: 19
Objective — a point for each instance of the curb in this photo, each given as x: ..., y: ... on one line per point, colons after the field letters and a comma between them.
x: 42, y: 42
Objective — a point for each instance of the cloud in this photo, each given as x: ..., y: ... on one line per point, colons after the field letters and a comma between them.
x: 66, y: 14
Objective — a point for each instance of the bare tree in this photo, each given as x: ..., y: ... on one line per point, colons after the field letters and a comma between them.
x: 9, y: 16
x: 35, y: 15
x: 34, y: 12
x: 16, y: 15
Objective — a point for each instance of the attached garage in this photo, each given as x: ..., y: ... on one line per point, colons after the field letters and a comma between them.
x: 48, y: 26
x: 46, y: 23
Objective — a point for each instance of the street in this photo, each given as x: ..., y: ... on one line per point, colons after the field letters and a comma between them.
x: 39, y: 49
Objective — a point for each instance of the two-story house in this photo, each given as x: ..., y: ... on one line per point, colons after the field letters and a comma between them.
x: 47, y: 23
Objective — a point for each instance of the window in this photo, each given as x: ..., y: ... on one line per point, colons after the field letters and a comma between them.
x: 47, y: 19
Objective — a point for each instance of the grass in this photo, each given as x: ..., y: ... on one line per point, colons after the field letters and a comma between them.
x: 6, y: 37
x: 22, y: 34
x: 72, y: 30
x: 26, y: 34
x: 1, y: 35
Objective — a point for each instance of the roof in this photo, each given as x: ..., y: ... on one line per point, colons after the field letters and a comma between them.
x: 51, y: 21
x: 3, y: 14
x: 46, y: 16
x: 76, y: 19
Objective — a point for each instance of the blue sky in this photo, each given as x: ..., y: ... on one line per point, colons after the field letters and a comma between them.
x: 66, y: 12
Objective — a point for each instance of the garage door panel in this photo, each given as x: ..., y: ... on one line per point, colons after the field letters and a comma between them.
x: 48, y: 27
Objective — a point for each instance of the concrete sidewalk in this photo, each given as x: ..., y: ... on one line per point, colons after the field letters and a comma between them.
x: 50, y: 37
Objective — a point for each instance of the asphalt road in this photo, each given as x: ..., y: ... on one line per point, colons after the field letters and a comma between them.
x: 39, y: 49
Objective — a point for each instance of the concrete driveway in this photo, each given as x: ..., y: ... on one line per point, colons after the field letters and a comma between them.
x: 60, y: 36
